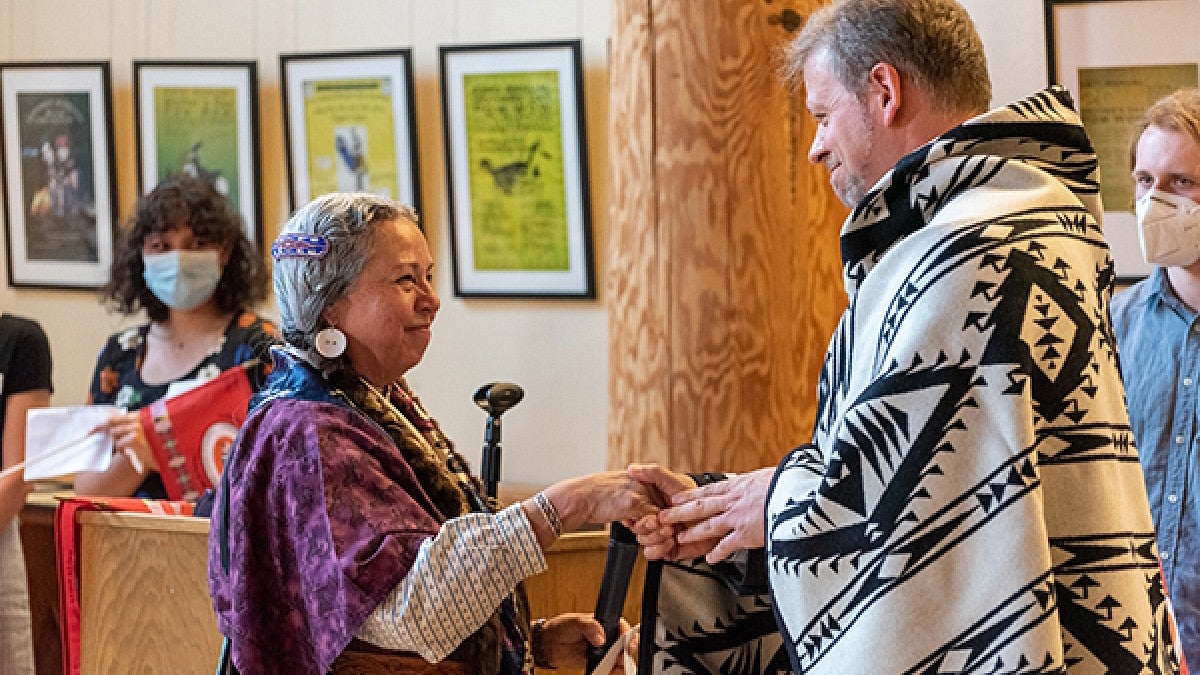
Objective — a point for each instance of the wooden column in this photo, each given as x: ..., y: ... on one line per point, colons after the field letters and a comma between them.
x: 725, y: 283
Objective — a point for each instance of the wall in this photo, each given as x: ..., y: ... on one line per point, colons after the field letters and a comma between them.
x: 556, y: 350
x: 1014, y: 38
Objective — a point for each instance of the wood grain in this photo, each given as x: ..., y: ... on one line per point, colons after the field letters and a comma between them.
x: 37, y: 540
x: 144, y: 595
x: 637, y: 282
x: 726, y: 278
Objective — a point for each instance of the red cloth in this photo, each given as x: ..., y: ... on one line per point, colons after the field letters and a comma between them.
x: 67, y: 538
x: 191, y: 433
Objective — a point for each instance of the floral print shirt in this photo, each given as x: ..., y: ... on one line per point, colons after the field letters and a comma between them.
x: 117, y: 379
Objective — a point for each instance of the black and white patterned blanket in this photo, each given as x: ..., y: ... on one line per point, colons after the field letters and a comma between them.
x: 972, y: 500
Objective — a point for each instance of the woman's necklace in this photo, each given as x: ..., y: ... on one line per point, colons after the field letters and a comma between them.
x: 180, y: 340
x: 461, y: 475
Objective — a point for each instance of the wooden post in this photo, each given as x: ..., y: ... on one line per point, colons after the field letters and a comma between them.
x: 725, y: 283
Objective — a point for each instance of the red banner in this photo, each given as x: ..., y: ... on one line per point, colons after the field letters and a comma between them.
x: 67, y: 548
x: 191, y: 433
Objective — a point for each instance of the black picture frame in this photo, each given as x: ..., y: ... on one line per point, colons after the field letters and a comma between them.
x: 517, y: 169
x: 59, y: 173
x: 201, y: 117
x: 363, y: 94
x: 1116, y: 57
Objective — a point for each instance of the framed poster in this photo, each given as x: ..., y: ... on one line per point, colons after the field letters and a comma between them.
x: 201, y: 118
x: 1117, y: 57
x: 516, y: 164
x: 350, y: 125
x: 59, y: 196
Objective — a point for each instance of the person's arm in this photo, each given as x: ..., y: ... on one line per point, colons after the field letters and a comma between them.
x: 456, y: 582
x: 720, y: 518
x: 13, y: 488
x: 594, y: 499
x: 461, y: 575
x: 122, y: 478
x: 562, y: 641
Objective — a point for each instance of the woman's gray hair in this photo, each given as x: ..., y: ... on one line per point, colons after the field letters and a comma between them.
x: 933, y: 42
x: 306, y: 286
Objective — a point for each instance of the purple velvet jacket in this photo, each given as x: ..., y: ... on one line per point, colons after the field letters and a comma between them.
x: 318, y: 517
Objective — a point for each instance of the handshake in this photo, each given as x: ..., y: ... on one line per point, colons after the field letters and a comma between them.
x: 672, y: 517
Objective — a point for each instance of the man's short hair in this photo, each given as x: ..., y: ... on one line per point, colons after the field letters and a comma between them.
x: 932, y: 42
x: 1178, y: 111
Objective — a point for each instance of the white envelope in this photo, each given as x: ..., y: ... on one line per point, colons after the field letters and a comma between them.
x: 58, y: 442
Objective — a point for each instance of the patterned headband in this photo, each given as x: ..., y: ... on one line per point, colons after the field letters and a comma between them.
x: 291, y: 245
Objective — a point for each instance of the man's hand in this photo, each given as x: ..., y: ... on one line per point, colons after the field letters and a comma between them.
x: 717, y: 519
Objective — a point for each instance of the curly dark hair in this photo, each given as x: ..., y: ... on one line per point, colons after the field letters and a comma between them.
x: 182, y: 200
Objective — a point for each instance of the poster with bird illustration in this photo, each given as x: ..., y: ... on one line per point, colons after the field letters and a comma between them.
x: 514, y: 149
x: 518, y: 174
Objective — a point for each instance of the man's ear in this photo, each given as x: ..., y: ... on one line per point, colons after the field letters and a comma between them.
x: 883, y: 82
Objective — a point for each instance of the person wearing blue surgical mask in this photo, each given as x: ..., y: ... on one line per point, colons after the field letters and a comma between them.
x: 185, y: 261
x: 1157, y: 326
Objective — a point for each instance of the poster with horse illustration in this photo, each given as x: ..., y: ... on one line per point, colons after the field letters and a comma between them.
x: 200, y: 118
x: 516, y: 161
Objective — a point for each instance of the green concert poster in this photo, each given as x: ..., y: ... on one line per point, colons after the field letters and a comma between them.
x: 196, y: 132
x: 517, y: 178
x: 351, y: 140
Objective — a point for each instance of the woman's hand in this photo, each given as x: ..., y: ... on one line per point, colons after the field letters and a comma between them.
x: 563, y: 640
x: 600, y: 498
x: 658, y: 539
x: 126, y: 430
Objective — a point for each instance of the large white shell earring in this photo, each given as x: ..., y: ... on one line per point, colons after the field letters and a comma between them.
x: 330, y: 342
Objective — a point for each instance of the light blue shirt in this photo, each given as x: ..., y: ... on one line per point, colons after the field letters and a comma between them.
x: 1158, y: 339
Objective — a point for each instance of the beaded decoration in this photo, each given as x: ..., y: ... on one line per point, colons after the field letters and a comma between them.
x: 292, y: 245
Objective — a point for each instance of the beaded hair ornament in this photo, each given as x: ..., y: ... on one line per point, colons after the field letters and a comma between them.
x: 292, y: 245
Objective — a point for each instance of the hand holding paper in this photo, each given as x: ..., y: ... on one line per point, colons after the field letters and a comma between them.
x: 125, y: 428
x: 62, y: 441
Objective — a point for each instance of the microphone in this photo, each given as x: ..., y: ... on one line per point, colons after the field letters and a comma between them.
x: 618, y: 568
x: 494, y: 398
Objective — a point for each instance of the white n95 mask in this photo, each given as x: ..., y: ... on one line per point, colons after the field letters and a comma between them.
x: 1169, y: 229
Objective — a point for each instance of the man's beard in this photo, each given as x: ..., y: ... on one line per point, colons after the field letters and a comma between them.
x: 851, y: 192
x: 854, y: 185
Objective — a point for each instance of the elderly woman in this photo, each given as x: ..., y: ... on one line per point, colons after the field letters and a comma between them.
x: 344, y: 514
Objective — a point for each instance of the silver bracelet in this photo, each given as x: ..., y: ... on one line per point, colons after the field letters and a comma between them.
x: 549, y: 513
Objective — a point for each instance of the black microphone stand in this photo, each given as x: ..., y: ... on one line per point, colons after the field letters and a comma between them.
x: 495, y: 399
x: 489, y: 469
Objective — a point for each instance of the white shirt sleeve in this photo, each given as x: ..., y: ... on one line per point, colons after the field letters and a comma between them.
x: 456, y: 582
